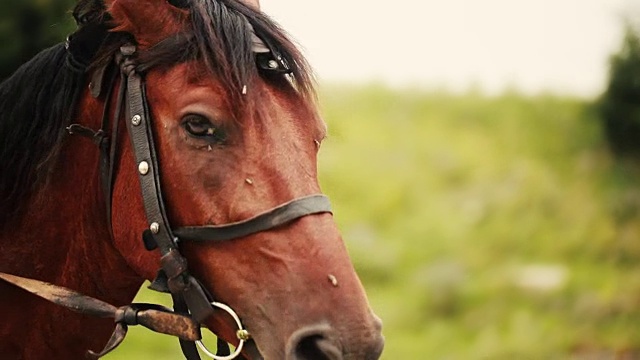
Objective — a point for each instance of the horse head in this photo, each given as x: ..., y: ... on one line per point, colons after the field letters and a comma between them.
x: 234, y: 129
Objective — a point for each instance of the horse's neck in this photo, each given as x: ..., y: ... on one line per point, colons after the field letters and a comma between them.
x: 62, y: 239
x: 64, y: 234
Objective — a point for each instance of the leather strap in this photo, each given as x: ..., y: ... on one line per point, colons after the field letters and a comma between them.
x: 138, y: 118
x: 108, y: 146
x: 278, y: 216
x: 189, y: 348
x: 153, y: 317
x: 140, y: 133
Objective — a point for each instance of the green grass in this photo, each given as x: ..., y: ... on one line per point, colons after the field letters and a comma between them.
x: 444, y: 200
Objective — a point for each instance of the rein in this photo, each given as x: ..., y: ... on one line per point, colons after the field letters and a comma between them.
x: 192, y: 303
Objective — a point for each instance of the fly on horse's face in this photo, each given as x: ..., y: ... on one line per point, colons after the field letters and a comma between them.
x: 220, y: 170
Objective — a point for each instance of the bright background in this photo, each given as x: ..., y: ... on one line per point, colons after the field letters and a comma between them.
x: 532, y: 45
x: 471, y: 177
x: 468, y: 170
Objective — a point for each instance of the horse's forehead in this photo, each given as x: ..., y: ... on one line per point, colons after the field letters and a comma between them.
x: 149, y: 21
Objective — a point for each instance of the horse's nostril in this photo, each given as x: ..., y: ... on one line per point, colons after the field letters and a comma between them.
x: 376, y: 348
x: 317, y: 347
x: 313, y: 343
x: 323, y: 342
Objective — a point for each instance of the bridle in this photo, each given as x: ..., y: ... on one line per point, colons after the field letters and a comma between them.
x: 192, y: 303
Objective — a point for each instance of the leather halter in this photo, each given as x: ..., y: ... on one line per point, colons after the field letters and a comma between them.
x: 191, y: 301
x: 174, y: 277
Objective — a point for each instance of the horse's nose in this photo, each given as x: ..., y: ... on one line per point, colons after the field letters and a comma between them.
x: 320, y: 343
x: 314, y: 343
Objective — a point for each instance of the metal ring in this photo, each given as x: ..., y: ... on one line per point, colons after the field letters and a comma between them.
x: 235, y: 317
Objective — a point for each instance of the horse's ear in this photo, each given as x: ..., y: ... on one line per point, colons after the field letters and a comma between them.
x: 149, y: 21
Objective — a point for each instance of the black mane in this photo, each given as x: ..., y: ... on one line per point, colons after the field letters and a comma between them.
x: 35, y: 104
x: 39, y: 100
x: 225, y: 42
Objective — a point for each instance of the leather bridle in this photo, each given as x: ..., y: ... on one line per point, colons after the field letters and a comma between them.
x: 192, y: 302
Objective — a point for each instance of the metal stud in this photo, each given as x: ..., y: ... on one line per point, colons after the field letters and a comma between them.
x: 155, y: 228
x: 273, y: 64
x: 243, y: 335
x: 143, y: 168
x: 136, y: 120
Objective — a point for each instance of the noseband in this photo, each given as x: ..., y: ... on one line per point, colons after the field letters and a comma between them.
x: 192, y: 302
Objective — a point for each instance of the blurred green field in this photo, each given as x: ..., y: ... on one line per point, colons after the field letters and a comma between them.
x: 482, y: 227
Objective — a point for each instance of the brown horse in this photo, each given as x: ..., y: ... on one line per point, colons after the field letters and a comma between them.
x: 233, y: 131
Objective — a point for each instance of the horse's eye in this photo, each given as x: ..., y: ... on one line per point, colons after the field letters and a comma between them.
x: 200, y: 127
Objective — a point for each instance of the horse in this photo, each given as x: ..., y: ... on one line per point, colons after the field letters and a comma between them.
x: 173, y: 141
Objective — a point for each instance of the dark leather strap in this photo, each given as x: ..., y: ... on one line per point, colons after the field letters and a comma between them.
x: 154, y: 317
x: 109, y: 145
x: 138, y: 118
x: 189, y: 348
x: 278, y: 216
x: 140, y: 133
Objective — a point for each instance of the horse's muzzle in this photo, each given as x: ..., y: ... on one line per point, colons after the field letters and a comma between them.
x: 321, y: 342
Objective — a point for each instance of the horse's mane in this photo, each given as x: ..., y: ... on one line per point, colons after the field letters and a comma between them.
x: 35, y: 104
x: 225, y: 42
x: 39, y: 99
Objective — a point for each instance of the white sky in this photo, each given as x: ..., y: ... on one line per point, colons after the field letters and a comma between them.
x: 533, y: 45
